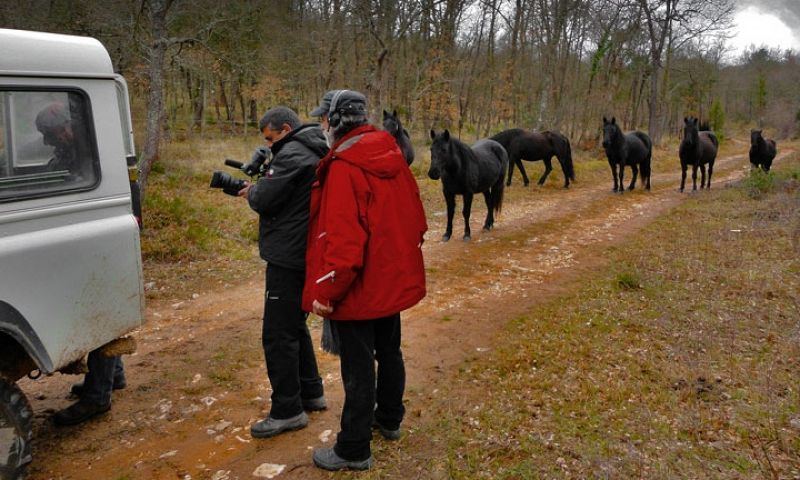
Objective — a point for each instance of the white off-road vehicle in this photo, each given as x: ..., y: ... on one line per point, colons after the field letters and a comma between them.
x: 70, y: 259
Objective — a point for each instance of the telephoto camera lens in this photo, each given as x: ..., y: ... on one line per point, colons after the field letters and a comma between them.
x: 228, y: 184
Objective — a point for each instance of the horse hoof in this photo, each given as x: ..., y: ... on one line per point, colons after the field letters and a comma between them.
x: 487, y: 228
x: 467, y: 238
x: 445, y: 238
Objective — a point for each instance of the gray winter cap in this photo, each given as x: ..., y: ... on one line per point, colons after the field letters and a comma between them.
x: 325, y: 104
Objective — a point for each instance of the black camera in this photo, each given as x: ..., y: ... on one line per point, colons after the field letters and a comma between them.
x: 256, y: 169
x: 227, y: 183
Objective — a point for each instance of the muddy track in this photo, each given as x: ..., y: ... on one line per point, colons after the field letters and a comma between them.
x: 198, y: 379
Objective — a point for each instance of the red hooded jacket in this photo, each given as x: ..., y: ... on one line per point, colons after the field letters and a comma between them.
x: 365, y: 231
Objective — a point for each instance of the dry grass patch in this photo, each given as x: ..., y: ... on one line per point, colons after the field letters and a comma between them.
x: 692, y: 374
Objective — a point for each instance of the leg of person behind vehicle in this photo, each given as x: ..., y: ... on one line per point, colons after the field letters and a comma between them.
x: 95, y: 395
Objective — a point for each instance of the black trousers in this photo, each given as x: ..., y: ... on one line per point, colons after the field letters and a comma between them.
x: 288, y: 350
x: 362, y: 343
x: 99, y: 380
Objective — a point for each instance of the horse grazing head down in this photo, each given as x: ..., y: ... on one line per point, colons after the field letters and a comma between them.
x: 691, y: 131
x: 442, y: 157
x: 756, y: 139
x: 612, y: 134
x: 391, y: 123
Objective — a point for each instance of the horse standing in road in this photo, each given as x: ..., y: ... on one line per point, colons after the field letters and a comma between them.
x: 698, y: 149
x: 391, y: 123
x: 532, y: 146
x: 466, y: 170
x: 762, y: 150
x: 634, y: 149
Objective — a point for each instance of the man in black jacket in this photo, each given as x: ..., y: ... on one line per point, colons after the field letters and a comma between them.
x: 281, y: 198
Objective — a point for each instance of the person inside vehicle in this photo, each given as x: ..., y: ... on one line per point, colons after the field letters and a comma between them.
x: 53, y: 122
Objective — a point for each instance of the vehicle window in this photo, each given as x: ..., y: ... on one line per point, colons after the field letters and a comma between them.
x: 47, y: 144
x: 3, y: 143
x: 125, y: 117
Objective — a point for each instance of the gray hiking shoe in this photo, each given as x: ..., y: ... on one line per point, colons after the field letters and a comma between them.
x: 385, y: 432
x: 315, y: 404
x: 269, y: 427
x: 326, y: 458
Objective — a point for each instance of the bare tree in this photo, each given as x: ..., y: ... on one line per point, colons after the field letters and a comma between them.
x: 670, y: 23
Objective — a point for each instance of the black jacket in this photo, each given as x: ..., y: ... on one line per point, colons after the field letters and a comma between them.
x: 282, y: 196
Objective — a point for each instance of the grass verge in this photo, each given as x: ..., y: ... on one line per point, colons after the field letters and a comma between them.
x: 682, y: 360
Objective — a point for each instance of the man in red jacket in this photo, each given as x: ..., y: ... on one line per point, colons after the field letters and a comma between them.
x: 364, y: 266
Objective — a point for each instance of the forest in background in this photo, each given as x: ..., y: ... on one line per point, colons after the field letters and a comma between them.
x: 473, y: 66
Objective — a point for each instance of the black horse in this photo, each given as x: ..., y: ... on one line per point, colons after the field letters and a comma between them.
x: 697, y: 149
x: 466, y: 171
x: 391, y: 123
x: 531, y: 146
x: 762, y: 150
x: 634, y: 149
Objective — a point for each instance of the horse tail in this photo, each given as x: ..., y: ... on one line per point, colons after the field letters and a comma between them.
x: 646, y: 140
x: 499, y: 186
x: 713, y: 139
x: 567, y: 152
x: 645, y: 166
x: 648, y: 144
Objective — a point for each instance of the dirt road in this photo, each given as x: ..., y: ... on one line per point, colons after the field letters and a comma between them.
x: 198, y: 380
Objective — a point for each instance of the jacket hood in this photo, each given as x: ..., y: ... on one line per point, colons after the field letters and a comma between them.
x: 372, y: 150
x: 309, y: 135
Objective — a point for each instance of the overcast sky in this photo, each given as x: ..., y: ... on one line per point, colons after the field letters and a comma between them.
x: 775, y: 23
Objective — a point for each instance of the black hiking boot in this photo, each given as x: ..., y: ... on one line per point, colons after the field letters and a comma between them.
x: 77, y: 388
x: 79, y: 412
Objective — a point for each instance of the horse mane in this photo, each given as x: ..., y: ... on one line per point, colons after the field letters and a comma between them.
x: 463, y: 150
x: 704, y: 127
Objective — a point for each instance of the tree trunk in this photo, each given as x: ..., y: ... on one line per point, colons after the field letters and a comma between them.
x: 155, y: 99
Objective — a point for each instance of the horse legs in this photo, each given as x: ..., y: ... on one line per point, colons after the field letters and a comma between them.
x: 703, y: 176
x: 467, y: 209
x: 522, y: 172
x: 683, y: 175
x: 635, y: 170
x: 518, y: 163
x: 548, y: 167
x: 694, y: 177
x: 621, y: 178
x: 614, y: 174
x: 710, y: 170
x: 487, y: 195
x: 564, y: 171
x: 450, y: 199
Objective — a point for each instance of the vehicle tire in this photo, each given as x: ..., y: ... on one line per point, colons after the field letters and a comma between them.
x: 15, y: 431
